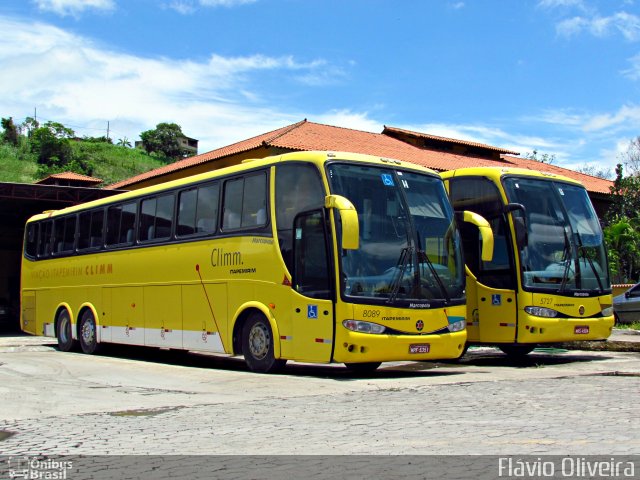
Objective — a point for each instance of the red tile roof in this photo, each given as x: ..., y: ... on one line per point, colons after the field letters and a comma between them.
x: 76, y: 177
x: 391, y: 131
x: 306, y: 136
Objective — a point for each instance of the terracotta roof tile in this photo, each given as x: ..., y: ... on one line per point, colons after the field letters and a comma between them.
x: 306, y: 135
x: 77, y: 177
x: 392, y: 130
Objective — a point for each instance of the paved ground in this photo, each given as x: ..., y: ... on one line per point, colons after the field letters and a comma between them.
x: 140, y: 401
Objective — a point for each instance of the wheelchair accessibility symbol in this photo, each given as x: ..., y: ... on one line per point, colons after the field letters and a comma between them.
x: 387, y: 180
x: 312, y: 311
x: 496, y: 300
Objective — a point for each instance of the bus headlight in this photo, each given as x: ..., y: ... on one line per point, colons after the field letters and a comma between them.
x: 607, y: 312
x: 541, y: 312
x: 458, y: 326
x: 363, y: 327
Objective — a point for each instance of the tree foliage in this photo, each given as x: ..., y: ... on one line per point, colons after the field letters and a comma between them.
x: 51, y: 144
x: 10, y: 134
x: 622, y: 228
x: 164, y: 140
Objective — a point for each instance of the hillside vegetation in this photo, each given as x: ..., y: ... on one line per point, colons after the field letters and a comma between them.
x: 111, y: 163
x: 30, y: 152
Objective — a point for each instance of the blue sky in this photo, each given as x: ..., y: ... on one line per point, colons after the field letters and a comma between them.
x: 558, y: 76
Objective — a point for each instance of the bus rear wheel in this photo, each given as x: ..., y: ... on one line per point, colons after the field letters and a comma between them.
x: 257, y: 345
x: 517, y: 351
x: 87, y: 332
x: 66, y: 343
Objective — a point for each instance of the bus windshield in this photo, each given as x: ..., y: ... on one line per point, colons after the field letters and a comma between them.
x: 409, y: 243
x: 564, y: 251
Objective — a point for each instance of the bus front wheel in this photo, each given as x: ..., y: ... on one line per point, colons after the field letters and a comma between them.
x: 360, y: 368
x: 66, y: 343
x: 87, y: 332
x: 257, y: 345
x: 517, y: 351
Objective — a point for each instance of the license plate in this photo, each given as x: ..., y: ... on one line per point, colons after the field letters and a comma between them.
x: 419, y: 348
x: 581, y: 329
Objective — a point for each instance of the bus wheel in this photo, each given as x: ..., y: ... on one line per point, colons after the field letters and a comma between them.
x: 366, y: 367
x: 66, y: 343
x: 517, y: 350
x: 87, y: 333
x: 257, y: 345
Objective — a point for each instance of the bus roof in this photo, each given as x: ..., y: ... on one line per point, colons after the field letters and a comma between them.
x: 496, y: 173
x: 317, y: 157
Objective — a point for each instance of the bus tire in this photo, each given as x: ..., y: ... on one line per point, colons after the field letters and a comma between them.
x: 257, y: 345
x: 87, y: 333
x: 517, y: 351
x: 66, y: 343
x: 366, y: 367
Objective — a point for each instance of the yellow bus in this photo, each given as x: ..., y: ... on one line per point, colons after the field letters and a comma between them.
x: 548, y: 280
x: 309, y: 256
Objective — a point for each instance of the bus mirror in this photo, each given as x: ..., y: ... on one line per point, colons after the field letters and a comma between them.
x: 519, y: 223
x: 485, y: 232
x: 349, y: 216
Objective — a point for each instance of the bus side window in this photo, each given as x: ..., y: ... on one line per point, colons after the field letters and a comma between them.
x: 121, y: 224
x: 198, y: 210
x: 480, y: 195
x: 298, y: 188
x: 44, y: 239
x: 90, y: 229
x: 31, y: 248
x: 311, y: 267
x: 156, y: 218
x: 64, y: 229
x: 245, y: 202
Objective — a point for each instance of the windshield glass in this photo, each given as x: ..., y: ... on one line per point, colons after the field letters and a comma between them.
x: 409, y: 243
x: 565, y: 247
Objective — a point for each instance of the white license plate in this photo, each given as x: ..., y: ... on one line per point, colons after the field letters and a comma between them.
x: 419, y: 348
x: 581, y: 329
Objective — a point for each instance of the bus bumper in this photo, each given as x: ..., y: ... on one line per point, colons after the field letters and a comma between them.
x: 549, y: 330
x: 354, y: 347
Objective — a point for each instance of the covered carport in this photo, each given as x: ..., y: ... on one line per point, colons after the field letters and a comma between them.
x: 18, y: 202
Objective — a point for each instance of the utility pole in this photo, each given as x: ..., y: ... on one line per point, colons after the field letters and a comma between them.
x: 107, y: 129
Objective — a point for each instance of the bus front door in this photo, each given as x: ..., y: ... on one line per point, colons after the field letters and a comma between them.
x: 313, y: 309
x: 491, y: 313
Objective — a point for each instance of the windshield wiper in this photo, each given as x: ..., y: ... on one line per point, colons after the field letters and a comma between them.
x: 582, y: 249
x: 423, y: 257
x: 566, y: 253
x: 405, y: 257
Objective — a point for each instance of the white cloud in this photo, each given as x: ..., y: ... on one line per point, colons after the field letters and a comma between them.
x: 627, y: 24
x: 74, y: 7
x: 633, y: 72
x: 70, y: 79
x: 187, y: 7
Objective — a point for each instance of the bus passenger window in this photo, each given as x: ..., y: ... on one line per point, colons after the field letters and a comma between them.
x: 90, y: 229
x: 121, y: 224
x: 31, y: 244
x: 44, y: 239
x: 64, y: 234
x: 156, y: 218
x: 245, y: 202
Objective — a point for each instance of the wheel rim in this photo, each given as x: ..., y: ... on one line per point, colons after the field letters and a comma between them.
x: 88, y: 332
x: 259, y: 340
x: 64, y: 329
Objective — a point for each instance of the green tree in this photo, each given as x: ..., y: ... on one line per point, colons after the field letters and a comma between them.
x: 10, y: 135
x: 542, y: 158
x: 51, y: 144
x: 124, y: 142
x: 164, y: 140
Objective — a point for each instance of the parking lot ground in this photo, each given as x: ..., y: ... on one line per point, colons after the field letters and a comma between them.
x: 149, y: 401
